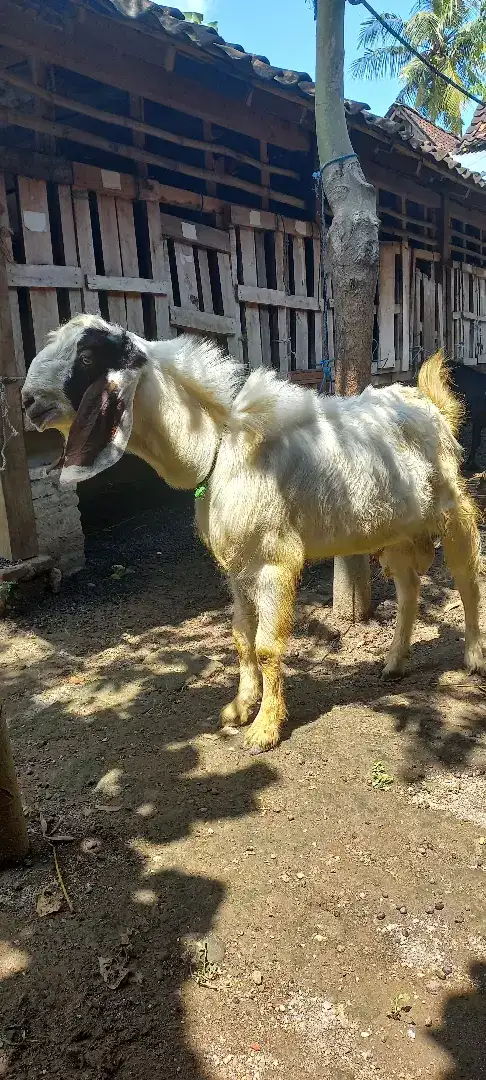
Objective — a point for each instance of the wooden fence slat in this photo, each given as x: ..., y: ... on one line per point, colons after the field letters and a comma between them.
x: 277, y: 298
x: 111, y: 255
x: 207, y: 296
x: 262, y: 283
x: 283, y: 327
x: 186, y: 275
x: 69, y: 243
x: 252, y: 314
x: 189, y: 318
x: 130, y: 285
x: 300, y: 288
x: 18, y: 534
x: 129, y: 257
x: 38, y: 249
x: 230, y: 306
x: 429, y: 338
x: 386, y: 307
x: 405, y: 359
x: 160, y: 269
x: 13, y: 297
x: 82, y: 220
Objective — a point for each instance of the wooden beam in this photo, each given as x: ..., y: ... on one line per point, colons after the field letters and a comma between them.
x: 37, y: 166
x: 400, y: 184
x: 264, y: 219
x: 64, y: 131
x: 135, y: 124
x: 250, y: 294
x: 154, y: 191
x: 99, y: 283
x: 98, y: 57
x: 198, y: 235
x: 18, y: 534
x: 203, y: 321
x: 25, y: 276
x: 40, y: 74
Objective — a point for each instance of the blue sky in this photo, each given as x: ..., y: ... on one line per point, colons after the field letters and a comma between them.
x: 283, y: 30
x: 285, y: 33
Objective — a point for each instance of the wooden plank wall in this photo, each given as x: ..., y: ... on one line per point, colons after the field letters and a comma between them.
x: 281, y: 303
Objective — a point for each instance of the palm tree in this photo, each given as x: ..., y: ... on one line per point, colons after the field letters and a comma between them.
x: 451, y: 34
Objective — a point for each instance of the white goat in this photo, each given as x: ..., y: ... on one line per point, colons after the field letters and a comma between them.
x: 285, y: 477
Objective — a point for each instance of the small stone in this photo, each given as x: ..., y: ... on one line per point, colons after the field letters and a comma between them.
x: 285, y: 877
x: 459, y: 918
x: 440, y: 974
x: 439, y: 905
x: 300, y: 875
x: 215, y: 949
x: 403, y: 910
x: 300, y: 759
x: 290, y: 817
x: 340, y: 948
x: 430, y: 909
x: 447, y: 969
x: 422, y: 850
x: 428, y: 1021
x: 381, y: 915
x: 384, y: 896
x: 257, y: 977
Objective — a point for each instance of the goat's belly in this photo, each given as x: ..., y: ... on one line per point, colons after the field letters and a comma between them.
x: 328, y: 538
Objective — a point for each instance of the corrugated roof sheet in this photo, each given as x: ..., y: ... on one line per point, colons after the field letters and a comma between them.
x: 171, y: 21
x: 475, y: 136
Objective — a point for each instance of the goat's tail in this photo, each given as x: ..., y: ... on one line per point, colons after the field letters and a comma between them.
x: 434, y: 381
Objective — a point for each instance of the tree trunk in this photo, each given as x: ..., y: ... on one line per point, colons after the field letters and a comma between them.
x: 14, y: 842
x: 354, y: 258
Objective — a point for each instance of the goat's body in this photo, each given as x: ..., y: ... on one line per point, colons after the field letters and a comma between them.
x: 292, y: 478
x: 367, y: 472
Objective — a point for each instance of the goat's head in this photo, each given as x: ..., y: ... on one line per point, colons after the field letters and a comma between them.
x: 83, y: 383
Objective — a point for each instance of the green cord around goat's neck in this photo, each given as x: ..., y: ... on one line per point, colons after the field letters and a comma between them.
x: 203, y: 486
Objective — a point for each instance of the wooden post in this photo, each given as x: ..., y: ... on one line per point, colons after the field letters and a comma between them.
x: 447, y: 271
x: 353, y: 250
x: 14, y: 842
x: 18, y: 535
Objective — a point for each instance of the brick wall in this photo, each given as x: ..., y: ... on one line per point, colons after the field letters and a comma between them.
x: 58, y: 520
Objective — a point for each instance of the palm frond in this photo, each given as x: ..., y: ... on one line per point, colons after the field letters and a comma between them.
x: 380, y: 63
x: 372, y: 32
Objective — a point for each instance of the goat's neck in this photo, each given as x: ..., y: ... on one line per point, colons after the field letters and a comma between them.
x: 171, y: 430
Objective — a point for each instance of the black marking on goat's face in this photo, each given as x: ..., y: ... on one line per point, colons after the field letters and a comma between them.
x: 100, y: 350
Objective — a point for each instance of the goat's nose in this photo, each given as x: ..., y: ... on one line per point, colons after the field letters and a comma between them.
x: 27, y: 400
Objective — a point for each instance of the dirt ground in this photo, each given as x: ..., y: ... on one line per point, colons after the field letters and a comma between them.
x: 239, y: 918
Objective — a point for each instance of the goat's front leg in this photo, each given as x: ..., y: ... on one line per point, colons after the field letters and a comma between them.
x: 275, y: 598
x: 397, y: 562
x: 244, y: 631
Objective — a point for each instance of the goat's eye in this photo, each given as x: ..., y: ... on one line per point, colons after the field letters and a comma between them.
x: 86, y: 359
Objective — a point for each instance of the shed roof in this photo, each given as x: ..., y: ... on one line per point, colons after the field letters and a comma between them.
x: 475, y: 136
x: 170, y: 22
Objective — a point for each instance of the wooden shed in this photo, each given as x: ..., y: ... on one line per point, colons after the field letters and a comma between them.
x: 163, y: 177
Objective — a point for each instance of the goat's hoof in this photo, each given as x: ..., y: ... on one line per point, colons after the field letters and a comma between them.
x: 236, y: 714
x: 262, y: 735
x: 393, y: 672
x: 476, y: 663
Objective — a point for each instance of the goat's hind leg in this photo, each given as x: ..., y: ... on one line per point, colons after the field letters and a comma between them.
x: 400, y: 563
x: 244, y: 632
x: 462, y: 550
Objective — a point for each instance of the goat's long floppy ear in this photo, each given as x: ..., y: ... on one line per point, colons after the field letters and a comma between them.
x: 102, y: 426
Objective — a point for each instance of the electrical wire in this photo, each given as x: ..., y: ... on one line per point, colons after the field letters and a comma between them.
x: 407, y: 45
